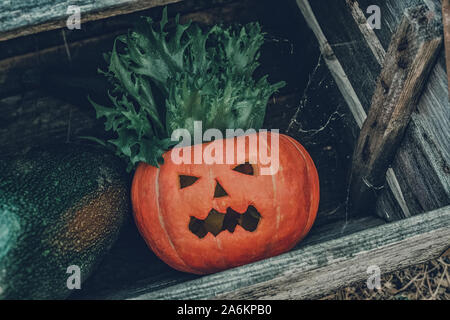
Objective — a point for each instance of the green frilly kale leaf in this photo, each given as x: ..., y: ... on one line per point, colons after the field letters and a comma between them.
x: 165, y: 80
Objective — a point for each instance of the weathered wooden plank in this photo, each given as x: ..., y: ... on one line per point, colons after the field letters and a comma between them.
x: 422, y: 160
x: 313, y: 269
x: 446, y: 23
x: 367, y: 31
x: 334, y: 65
x: 348, y: 40
x: 25, y: 17
x: 421, y: 163
x: 391, y: 14
x: 149, y: 274
x: 33, y: 118
x: 24, y: 62
x: 197, y: 9
x: 409, y: 60
x: 418, y: 178
x: 356, y: 108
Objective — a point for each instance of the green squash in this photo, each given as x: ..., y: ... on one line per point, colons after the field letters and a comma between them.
x: 59, y: 206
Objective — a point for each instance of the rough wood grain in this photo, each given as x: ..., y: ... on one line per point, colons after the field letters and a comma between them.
x: 418, y: 179
x: 367, y: 31
x: 422, y: 161
x: 313, y: 269
x: 392, y: 13
x: 149, y: 274
x: 446, y: 23
x: 25, y: 61
x: 409, y: 60
x: 24, y: 17
x: 334, y: 65
x: 95, y: 28
x: 354, y: 104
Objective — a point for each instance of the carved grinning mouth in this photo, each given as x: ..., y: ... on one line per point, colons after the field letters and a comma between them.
x: 216, y: 222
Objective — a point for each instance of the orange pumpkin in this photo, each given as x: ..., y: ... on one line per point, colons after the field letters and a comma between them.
x: 203, y: 218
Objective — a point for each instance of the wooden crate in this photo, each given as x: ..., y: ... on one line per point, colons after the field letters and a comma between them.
x: 331, y: 64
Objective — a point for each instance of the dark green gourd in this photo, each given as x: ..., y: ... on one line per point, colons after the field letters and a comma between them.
x: 59, y: 206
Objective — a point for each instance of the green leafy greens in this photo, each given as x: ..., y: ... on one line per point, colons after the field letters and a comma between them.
x: 164, y: 80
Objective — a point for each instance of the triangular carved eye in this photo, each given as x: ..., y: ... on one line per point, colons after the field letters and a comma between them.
x: 245, y: 168
x: 186, y: 181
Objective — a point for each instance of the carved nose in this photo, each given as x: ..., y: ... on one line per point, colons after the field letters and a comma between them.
x: 219, y: 191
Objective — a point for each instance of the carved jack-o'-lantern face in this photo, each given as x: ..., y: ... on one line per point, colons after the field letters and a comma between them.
x: 216, y: 221
x: 202, y: 218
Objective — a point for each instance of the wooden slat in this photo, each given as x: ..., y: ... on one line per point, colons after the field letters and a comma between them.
x: 90, y: 29
x: 446, y: 22
x: 409, y: 60
x: 354, y: 104
x: 391, y: 14
x: 158, y: 277
x: 24, y: 17
x: 315, y: 269
x: 422, y: 161
x: 24, y: 62
x: 367, y: 31
x: 419, y: 178
x: 334, y: 65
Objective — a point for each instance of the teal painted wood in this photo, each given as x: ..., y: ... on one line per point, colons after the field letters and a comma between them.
x: 25, y: 14
x: 315, y: 269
